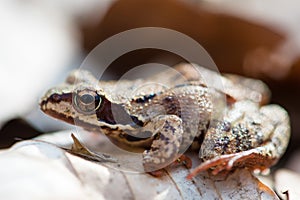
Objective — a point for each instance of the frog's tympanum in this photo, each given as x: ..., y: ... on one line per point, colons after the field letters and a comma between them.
x: 165, y: 121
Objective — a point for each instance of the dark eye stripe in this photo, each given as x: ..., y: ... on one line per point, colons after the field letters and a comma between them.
x: 56, y: 98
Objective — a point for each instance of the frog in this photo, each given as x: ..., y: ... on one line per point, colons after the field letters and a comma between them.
x: 167, y: 121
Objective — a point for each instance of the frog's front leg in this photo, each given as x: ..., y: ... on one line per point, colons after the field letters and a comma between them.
x: 167, y: 132
x: 255, y: 138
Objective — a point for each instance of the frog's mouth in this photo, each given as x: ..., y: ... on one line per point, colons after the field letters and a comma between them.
x: 60, y: 106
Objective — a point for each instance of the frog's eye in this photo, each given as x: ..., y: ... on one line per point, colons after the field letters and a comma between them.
x: 87, y: 101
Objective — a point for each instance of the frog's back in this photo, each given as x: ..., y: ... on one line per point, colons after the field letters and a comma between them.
x: 189, y: 102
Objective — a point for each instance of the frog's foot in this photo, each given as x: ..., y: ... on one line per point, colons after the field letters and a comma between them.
x: 165, y: 146
x: 251, y: 159
x: 182, y: 160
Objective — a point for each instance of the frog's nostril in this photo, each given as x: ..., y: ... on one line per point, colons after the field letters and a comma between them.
x: 55, y: 97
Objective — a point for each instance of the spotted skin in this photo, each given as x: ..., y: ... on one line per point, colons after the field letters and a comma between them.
x: 237, y: 131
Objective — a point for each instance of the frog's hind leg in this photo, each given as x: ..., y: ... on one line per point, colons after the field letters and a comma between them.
x: 251, y: 159
x: 167, y: 132
x: 256, y: 140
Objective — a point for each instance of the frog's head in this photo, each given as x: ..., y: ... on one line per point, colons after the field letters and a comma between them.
x: 86, y: 106
x: 75, y: 107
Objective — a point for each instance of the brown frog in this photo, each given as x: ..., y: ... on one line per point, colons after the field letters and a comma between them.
x: 179, y: 112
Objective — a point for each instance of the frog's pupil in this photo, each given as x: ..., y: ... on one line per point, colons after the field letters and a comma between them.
x: 87, y: 99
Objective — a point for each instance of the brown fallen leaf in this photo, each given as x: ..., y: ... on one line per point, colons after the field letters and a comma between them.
x: 105, y: 180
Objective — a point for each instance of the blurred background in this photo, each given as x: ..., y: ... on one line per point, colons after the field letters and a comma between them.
x: 41, y: 41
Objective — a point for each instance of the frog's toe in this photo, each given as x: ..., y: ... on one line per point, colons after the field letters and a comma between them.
x: 154, y: 171
x: 154, y: 160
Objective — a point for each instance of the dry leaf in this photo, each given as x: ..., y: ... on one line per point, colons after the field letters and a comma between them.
x: 287, y: 184
x: 41, y: 170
